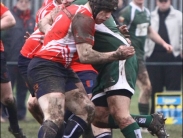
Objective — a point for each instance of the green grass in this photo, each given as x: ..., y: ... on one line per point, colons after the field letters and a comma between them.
x: 31, y: 127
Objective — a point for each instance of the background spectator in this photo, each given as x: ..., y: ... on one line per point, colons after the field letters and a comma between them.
x: 13, y: 40
x: 167, y: 21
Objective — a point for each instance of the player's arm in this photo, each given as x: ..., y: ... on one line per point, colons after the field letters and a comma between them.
x: 83, y: 32
x: 154, y: 36
x: 7, y: 20
x: 46, y: 22
x: 88, y: 55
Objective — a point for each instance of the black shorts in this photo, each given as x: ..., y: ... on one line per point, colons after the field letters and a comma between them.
x: 23, y: 63
x: 88, y: 78
x: 4, y: 71
x: 101, y: 98
x: 47, y: 76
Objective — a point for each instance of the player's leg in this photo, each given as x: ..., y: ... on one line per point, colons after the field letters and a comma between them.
x: 88, y: 78
x: 32, y: 103
x: 144, y: 86
x: 79, y: 104
x: 118, y: 81
x: 48, y: 81
x: 8, y: 100
x: 34, y: 109
x: 129, y: 84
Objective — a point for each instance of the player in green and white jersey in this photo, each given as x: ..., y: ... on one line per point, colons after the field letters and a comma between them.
x: 137, y: 18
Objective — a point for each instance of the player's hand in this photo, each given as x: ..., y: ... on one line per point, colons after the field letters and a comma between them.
x: 27, y: 35
x: 124, y: 30
x: 129, y: 41
x: 124, y: 52
x: 55, y: 11
x: 168, y: 48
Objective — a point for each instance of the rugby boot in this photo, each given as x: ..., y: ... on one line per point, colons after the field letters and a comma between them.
x: 17, y: 134
x: 157, y: 126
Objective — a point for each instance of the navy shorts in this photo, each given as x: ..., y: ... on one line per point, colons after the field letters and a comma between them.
x: 47, y: 76
x: 23, y: 63
x: 88, y: 78
x: 4, y: 71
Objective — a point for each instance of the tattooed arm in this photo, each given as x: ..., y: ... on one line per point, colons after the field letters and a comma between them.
x: 83, y: 32
x: 88, y: 55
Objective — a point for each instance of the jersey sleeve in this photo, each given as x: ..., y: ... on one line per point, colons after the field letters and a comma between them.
x: 83, y: 29
x: 3, y: 9
x: 125, y: 14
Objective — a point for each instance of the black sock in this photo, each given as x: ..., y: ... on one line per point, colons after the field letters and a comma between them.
x: 48, y: 130
x: 60, y: 132
x: 75, y: 127
x: 104, y: 135
x: 88, y: 133
x: 12, y: 116
x: 67, y: 115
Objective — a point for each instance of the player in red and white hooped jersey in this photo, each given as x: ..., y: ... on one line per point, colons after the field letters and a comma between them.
x: 33, y: 43
x: 7, y: 98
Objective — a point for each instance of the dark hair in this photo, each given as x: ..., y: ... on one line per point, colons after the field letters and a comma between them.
x: 99, y: 5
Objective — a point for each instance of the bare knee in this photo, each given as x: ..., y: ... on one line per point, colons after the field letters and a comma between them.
x: 101, y: 117
x: 8, y: 100
x: 53, y: 107
x: 32, y: 103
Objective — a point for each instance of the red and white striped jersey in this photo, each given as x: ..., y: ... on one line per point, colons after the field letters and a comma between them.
x: 3, y: 9
x: 60, y: 42
x: 44, y: 10
x: 33, y: 43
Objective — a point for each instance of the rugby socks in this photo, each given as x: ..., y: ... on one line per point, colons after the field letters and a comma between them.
x: 143, y: 108
x: 88, y: 133
x: 104, y: 135
x: 48, y: 130
x: 60, y: 132
x: 132, y: 131
x: 75, y: 127
x: 67, y: 115
x: 11, y: 111
x: 142, y: 121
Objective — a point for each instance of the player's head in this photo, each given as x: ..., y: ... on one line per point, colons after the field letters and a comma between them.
x: 102, y: 5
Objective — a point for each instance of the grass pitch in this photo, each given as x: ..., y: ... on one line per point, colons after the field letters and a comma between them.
x: 31, y: 127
